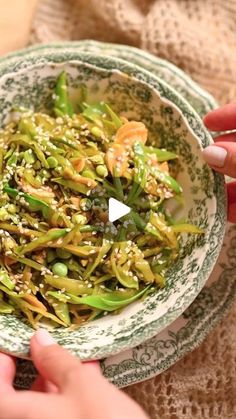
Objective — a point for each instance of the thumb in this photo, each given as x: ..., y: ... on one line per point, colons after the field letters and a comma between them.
x: 7, y: 373
x: 222, y: 157
x: 58, y: 366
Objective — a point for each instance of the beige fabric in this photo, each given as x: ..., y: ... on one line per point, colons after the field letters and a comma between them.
x: 196, y: 35
x: 200, y: 37
x: 202, y: 385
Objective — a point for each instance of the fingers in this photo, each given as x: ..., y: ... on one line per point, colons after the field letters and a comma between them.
x: 7, y: 373
x: 58, y: 366
x: 226, y: 137
x: 43, y: 386
x: 9, y: 406
x: 222, y: 119
x: 52, y: 361
x: 231, y: 189
x: 30, y: 405
x: 222, y: 157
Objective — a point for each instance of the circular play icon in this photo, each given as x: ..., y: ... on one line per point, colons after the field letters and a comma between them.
x: 120, y: 220
x: 117, y: 210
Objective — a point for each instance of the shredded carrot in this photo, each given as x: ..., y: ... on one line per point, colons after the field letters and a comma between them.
x: 31, y: 299
x: 78, y: 164
x: 130, y: 133
x: 116, y: 159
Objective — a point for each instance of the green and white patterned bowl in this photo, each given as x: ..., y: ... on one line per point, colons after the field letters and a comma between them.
x: 173, y: 123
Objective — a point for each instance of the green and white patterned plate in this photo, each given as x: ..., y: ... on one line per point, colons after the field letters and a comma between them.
x: 189, y: 330
x: 202, y: 103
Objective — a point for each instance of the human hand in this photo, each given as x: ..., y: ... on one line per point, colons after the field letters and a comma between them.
x: 222, y: 155
x: 15, y: 14
x: 65, y: 388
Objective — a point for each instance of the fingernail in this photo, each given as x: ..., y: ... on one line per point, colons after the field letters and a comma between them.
x: 44, y: 338
x: 215, y: 156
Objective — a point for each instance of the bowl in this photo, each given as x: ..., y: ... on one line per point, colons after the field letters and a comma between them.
x: 172, y: 124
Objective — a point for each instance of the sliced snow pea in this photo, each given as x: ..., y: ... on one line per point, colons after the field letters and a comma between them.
x: 167, y: 233
x: 106, y: 246
x: 140, y: 175
x: 35, y: 204
x: 166, y: 179
x: 110, y: 301
x: 74, y: 186
x: 24, y: 306
x: 62, y: 311
x: 143, y: 266
x: 25, y: 231
x: 62, y: 104
x: 158, y: 174
x: 41, y: 241
x: 6, y: 308
x: 58, y: 296
x: 70, y: 285
x: 29, y: 262
x: 6, y: 280
x: 186, y: 228
x: 114, y: 117
x: 162, y: 154
x: 146, y: 226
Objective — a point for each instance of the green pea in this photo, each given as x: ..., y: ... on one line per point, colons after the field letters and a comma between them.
x: 102, y: 170
x: 60, y: 269
x: 63, y: 254
x: 52, y: 162
x: 79, y: 219
x: 29, y: 156
x: 97, y: 132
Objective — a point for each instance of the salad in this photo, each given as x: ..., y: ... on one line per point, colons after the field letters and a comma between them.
x: 61, y: 260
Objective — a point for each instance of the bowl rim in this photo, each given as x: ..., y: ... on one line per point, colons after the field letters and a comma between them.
x: 220, y: 195
x: 74, y: 44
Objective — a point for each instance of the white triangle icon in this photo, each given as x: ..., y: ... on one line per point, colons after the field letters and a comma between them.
x: 117, y: 210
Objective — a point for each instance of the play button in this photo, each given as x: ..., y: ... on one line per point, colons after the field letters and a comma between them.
x: 117, y: 210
